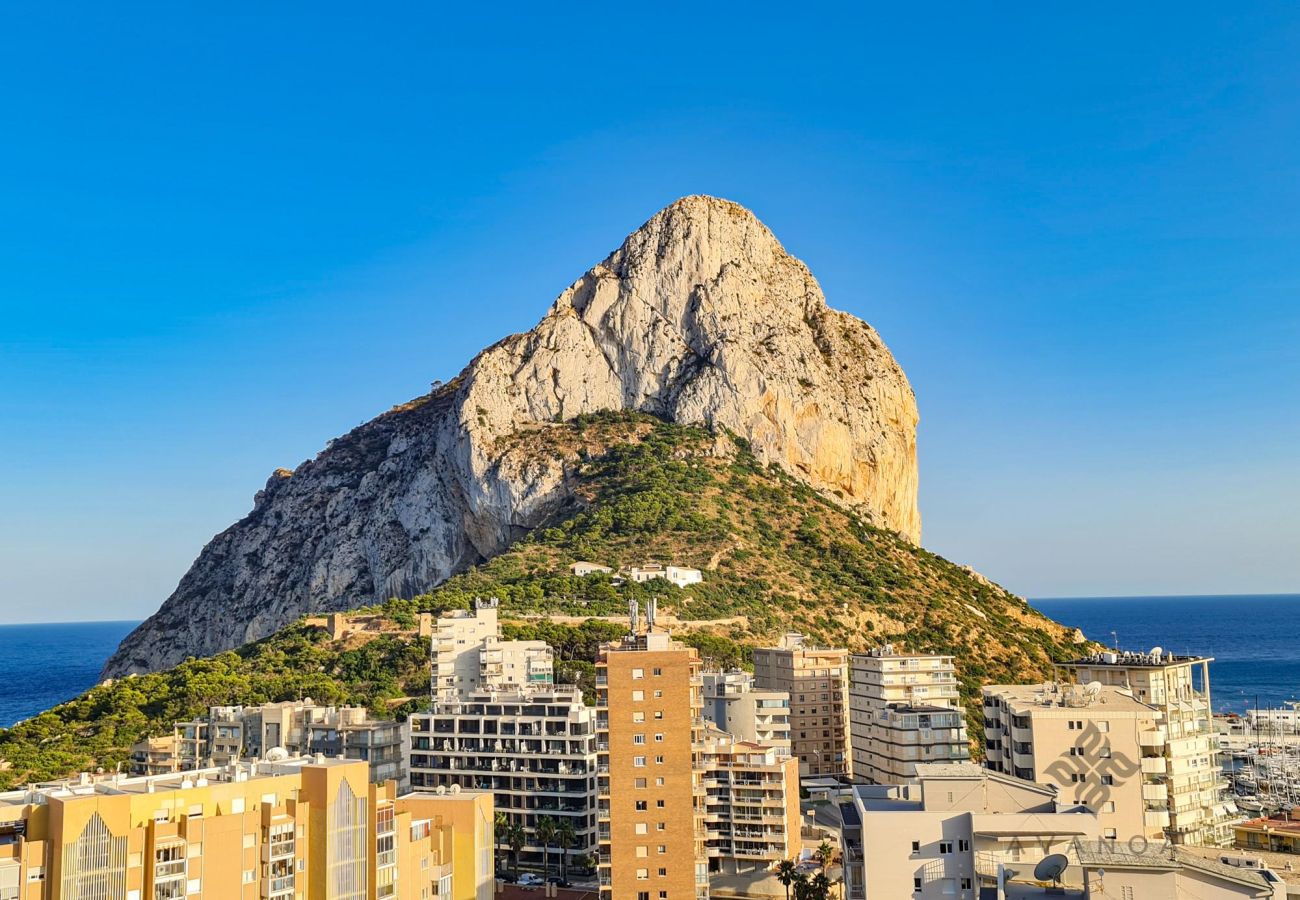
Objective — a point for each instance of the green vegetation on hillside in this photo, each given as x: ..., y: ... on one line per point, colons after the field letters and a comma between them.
x: 777, y: 556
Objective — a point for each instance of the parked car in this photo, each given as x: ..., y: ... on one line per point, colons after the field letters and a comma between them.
x: 558, y: 881
x: 528, y: 879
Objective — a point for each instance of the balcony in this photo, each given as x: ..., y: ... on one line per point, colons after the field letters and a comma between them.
x: 1153, y: 765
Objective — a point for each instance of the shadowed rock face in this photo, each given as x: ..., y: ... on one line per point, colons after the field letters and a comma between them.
x: 700, y: 317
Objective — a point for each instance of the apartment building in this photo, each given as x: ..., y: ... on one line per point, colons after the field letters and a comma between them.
x: 817, y: 681
x: 752, y: 813
x: 284, y: 830
x: 300, y: 727
x: 1088, y: 742
x: 650, y: 771
x: 736, y: 705
x: 954, y: 830
x: 468, y: 653
x: 904, y: 709
x: 498, y: 722
x: 534, y: 749
x: 1201, y: 812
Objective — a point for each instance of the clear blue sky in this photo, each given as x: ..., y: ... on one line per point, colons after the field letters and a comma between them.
x: 226, y: 238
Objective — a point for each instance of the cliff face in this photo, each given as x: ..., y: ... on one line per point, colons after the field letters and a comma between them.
x: 700, y: 317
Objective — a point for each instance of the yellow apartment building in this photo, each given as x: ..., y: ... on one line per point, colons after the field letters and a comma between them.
x: 817, y: 680
x: 288, y: 830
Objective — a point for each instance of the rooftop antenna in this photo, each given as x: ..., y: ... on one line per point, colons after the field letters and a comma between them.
x: 651, y: 607
x: 634, y: 615
x: 1114, y: 640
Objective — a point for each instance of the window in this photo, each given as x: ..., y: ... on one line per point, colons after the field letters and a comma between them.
x: 659, y: 760
x: 659, y: 804
x: 1079, y: 778
x: 639, y: 783
x: 1076, y: 751
x: 963, y: 845
x: 638, y: 738
x: 1108, y: 779
x: 916, y: 846
x: 1109, y: 834
x: 965, y: 884
x: 638, y: 761
x: 663, y: 848
x: 1104, y: 752
x: 659, y: 782
x: 658, y: 672
x: 659, y: 738
x: 945, y: 846
x: 661, y: 826
x: 642, y: 895
x: 658, y: 694
x: 1108, y: 806
x: 642, y: 874
x: 659, y: 713
x: 916, y: 884
x: 638, y: 696
x: 642, y: 852
x: 641, y: 806
x: 640, y: 828
x: 638, y: 718
x: 638, y: 673
x: 663, y: 873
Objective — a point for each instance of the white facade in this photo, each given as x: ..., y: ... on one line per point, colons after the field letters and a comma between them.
x: 1201, y: 813
x: 468, y: 655
x: 737, y: 706
x: 903, y: 711
x: 678, y: 575
x: 953, y: 831
x: 582, y: 568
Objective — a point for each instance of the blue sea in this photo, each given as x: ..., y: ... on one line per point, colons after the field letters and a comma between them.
x: 1254, y: 638
x: 43, y: 665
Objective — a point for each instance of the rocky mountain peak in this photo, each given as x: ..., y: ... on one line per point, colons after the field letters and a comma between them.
x: 699, y: 317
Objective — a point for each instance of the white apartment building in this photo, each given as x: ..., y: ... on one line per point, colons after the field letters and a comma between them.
x: 1088, y: 742
x: 751, y: 805
x: 817, y: 681
x: 904, y: 710
x: 468, y: 654
x: 534, y: 748
x: 955, y: 829
x: 1201, y: 812
x: 736, y: 705
x: 499, y: 723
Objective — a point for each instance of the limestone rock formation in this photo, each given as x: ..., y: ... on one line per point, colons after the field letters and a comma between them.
x: 700, y: 317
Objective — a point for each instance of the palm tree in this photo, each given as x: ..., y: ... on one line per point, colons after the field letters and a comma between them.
x: 545, y: 831
x: 501, y: 827
x: 785, y: 873
x: 825, y: 853
x: 802, y: 889
x: 820, y: 887
x: 515, y: 838
x: 565, y: 837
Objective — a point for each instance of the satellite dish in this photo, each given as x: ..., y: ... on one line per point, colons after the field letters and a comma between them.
x: 1157, y: 652
x: 1049, y: 868
x: 1093, y: 688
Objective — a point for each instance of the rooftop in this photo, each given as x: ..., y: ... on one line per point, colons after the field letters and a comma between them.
x: 1068, y: 696
x: 1105, y: 855
x: 1155, y: 658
